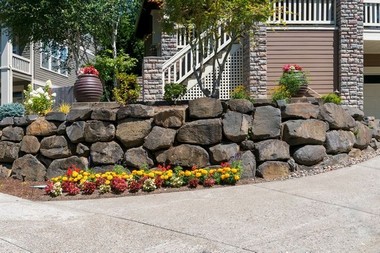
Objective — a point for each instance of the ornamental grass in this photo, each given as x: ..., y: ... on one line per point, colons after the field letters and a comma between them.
x: 76, y: 181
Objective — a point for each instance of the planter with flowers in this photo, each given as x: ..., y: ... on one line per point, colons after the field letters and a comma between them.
x: 88, y: 87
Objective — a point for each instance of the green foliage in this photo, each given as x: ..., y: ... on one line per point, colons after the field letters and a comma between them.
x: 292, y: 81
x: 280, y: 93
x: 173, y: 91
x: 39, y: 101
x: 11, y: 110
x: 332, y: 98
x: 241, y: 92
x: 127, y: 90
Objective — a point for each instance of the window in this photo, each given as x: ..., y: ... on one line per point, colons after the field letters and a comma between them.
x: 54, y: 58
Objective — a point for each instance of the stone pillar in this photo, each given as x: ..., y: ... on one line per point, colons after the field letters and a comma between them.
x: 350, y: 29
x: 168, y: 46
x: 255, y: 62
x: 6, y: 70
x: 152, y: 78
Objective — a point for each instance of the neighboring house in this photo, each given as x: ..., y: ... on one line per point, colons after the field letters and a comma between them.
x: 336, y: 42
x: 22, y: 65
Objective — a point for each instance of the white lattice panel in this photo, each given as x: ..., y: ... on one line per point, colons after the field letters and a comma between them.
x: 232, y: 76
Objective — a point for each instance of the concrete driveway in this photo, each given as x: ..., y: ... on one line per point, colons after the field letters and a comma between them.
x: 338, y: 211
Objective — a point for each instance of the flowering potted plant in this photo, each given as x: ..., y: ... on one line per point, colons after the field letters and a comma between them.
x: 294, y: 80
x: 88, y: 87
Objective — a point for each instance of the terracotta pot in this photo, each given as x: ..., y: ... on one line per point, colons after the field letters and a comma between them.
x: 88, y: 88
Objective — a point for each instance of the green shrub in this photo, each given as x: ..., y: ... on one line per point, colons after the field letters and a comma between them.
x: 280, y: 93
x: 11, y: 110
x: 332, y: 98
x: 127, y: 90
x: 173, y: 91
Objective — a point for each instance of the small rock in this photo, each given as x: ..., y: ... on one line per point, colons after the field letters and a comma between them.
x: 273, y: 170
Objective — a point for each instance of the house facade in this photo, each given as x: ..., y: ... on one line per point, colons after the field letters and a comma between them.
x: 22, y: 65
x: 337, y: 42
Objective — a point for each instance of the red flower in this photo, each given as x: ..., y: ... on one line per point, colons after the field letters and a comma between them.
x: 118, y: 185
x: 89, y: 70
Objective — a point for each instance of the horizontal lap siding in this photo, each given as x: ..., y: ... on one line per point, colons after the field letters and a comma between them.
x: 313, y: 50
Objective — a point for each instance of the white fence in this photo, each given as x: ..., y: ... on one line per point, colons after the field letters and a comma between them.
x: 371, y: 13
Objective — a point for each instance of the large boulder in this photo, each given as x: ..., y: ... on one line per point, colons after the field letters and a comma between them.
x: 105, y: 114
x: 55, y: 147
x: 184, y: 155
x: 106, y: 152
x: 355, y: 112
x: 79, y: 114
x: 300, y: 111
x: 171, y: 118
x: 363, y: 136
x: 56, y: 116
x: 12, y: 134
x: 236, y: 126
x: 28, y: 168
x: 241, y: 105
x: 136, y: 157
x: 75, y: 132
x: 41, y: 127
x: 132, y: 134
x: 95, y: 131
x: 135, y: 111
x: 298, y: 132
x: 223, y: 152
x: 266, y: 123
x: 160, y: 138
x: 248, y: 161
x: 272, y: 150
x: 8, y: 151
x: 339, y: 141
x: 272, y: 170
x: 7, y: 121
x: 336, y: 116
x: 202, y: 132
x: 59, y: 166
x: 310, y: 154
x: 30, y: 144
x: 202, y: 108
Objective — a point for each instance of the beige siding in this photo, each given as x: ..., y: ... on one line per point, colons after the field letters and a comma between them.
x: 313, y: 50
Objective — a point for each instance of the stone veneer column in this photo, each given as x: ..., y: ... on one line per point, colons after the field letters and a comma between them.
x: 152, y: 78
x: 168, y: 45
x: 350, y: 29
x: 255, y: 62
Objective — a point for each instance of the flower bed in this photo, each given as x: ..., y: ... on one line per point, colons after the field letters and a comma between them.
x: 76, y: 181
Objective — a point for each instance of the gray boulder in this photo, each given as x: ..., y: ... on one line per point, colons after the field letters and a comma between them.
x: 59, y: 166
x: 132, y: 134
x: 272, y: 150
x: 136, y: 157
x: 30, y: 144
x: 41, y: 127
x: 171, y: 118
x: 336, y: 116
x: 21, y: 121
x: 8, y: 121
x: 75, y: 132
x: 355, y: 112
x: 184, y: 155
x: 363, y: 136
x: 241, y: 105
x: 8, y: 151
x: 79, y: 114
x: 202, y: 132
x: 61, y: 130
x: 202, y: 108
x: 223, y: 152
x: 339, y: 141
x: 106, y: 152
x: 310, y: 154
x: 160, y: 138
x: 105, y: 114
x: 135, y: 111
x: 236, y: 126
x: 249, y: 164
x: 82, y: 150
x: 55, y: 147
x: 12, y: 134
x: 5, y: 172
x: 299, y: 132
x: 374, y: 144
x: 266, y: 123
x: 28, y: 168
x: 272, y: 170
x: 247, y: 145
x: 56, y: 116
x: 95, y: 131
x: 300, y: 111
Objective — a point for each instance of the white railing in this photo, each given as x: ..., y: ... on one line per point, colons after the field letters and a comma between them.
x: 181, y: 65
x: 304, y: 12
x: 183, y: 37
x: 371, y: 13
x: 21, y: 64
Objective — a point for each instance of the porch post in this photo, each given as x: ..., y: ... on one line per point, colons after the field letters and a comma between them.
x: 6, y: 70
x: 350, y: 30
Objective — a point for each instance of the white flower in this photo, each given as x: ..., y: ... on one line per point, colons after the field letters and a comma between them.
x: 30, y: 101
x: 40, y: 90
x: 54, y: 94
x: 48, y: 83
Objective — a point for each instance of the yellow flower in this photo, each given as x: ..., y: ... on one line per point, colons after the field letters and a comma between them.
x: 170, y: 174
x: 212, y: 171
x: 86, y: 173
x: 181, y: 173
x: 107, y: 182
x: 139, y: 173
x: 64, y: 178
x: 162, y: 177
x: 166, y: 177
x: 227, y: 169
x: 198, y: 174
x: 109, y: 177
x: 134, y: 172
x: 74, y: 174
x: 82, y: 181
x: 222, y: 177
x: 220, y: 170
x: 227, y: 175
x: 125, y: 176
x: 234, y: 171
x: 237, y: 177
x: 187, y: 173
x: 97, y: 175
x: 151, y: 175
x: 158, y: 172
x: 79, y: 177
x: 204, y: 172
